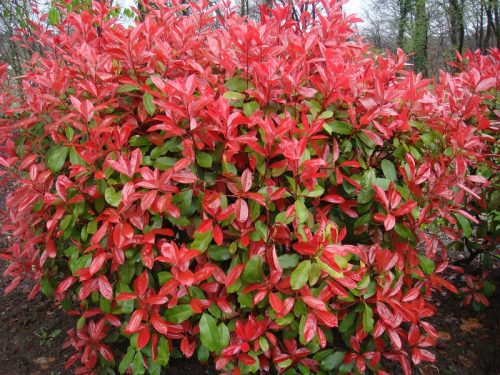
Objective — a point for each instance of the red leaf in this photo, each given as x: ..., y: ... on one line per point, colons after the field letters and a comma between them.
x: 413, y: 335
x: 205, y: 226
x: 64, y: 285
x: 276, y: 303
x: 314, y: 302
x: 389, y: 222
x: 234, y: 274
x: 143, y: 338
x: 134, y: 322
x: 241, y: 209
x: 105, y: 288
x: 310, y: 327
x: 159, y: 324
x: 405, y: 208
x: 381, y: 196
x: 218, y: 235
x: 411, y: 295
x: 187, y: 348
x: 141, y: 283
x: 327, y: 318
x: 97, y: 263
x: 246, y: 359
x: 332, y: 198
x: 246, y: 180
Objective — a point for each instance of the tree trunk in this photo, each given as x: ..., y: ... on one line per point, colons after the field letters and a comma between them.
x: 497, y: 22
x: 420, y: 36
x: 490, y: 28
x: 404, y: 10
x: 457, y: 29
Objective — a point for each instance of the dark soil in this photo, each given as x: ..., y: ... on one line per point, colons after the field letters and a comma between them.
x: 469, y: 345
x: 470, y: 341
x: 31, y: 340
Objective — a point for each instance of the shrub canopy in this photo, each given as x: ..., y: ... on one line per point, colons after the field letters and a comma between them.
x: 254, y: 192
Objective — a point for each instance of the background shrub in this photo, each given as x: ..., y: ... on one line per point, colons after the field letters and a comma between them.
x: 250, y: 192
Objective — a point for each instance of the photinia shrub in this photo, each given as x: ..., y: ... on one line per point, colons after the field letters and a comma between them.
x: 271, y: 195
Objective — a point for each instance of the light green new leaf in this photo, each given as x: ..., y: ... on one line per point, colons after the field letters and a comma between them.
x: 464, y: 224
x: 112, y: 197
x: 300, y: 275
x: 301, y: 210
x: 233, y: 95
x: 428, y: 265
x: 204, y: 159
x: 56, y: 157
x: 236, y: 84
x: 388, y: 169
x: 147, y: 100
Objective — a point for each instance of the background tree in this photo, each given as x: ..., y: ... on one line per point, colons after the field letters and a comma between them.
x: 452, y: 25
x: 420, y: 36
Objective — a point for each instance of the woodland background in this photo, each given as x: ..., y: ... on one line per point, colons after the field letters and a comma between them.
x: 429, y: 30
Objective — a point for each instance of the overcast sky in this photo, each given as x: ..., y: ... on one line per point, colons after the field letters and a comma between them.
x: 355, y: 6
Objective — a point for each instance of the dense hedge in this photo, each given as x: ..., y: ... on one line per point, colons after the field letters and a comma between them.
x: 249, y: 192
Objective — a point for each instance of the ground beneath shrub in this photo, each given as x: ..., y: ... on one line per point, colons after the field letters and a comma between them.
x: 31, y: 341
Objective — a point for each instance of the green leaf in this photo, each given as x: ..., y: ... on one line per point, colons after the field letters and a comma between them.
x: 264, y: 345
x: 403, y: 231
x: 367, y: 319
x: 204, y: 159
x: 250, y: 108
x: 301, y: 211
x: 464, y: 224
x: 112, y: 197
x: 236, y: 84
x: 147, y: 100
x: 300, y: 275
x: 325, y: 115
x: 340, y: 127
x: 333, y: 361
x: 232, y: 95
x: 126, y: 361
x: 53, y: 16
x: 362, y: 220
x: 219, y: 253
x: 388, y: 169
x: 287, y: 261
x: 127, y: 87
x: 138, y: 364
x: 75, y: 158
x: 253, y: 271
x: 45, y: 287
x: 76, y: 264
x: 224, y: 335
x: 203, y: 354
x: 314, y: 273
x: 347, y: 322
x: 316, y: 192
x: 56, y: 157
x: 202, y: 240
x: 427, y: 264
x: 209, y: 333
x: 179, y: 313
